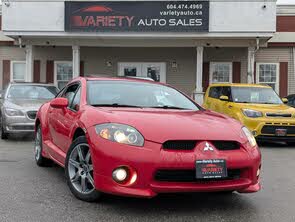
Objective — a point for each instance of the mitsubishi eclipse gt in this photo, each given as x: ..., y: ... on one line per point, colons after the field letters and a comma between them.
x: 140, y: 138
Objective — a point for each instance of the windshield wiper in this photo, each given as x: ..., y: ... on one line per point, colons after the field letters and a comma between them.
x: 166, y: 107
x: 115, y: 105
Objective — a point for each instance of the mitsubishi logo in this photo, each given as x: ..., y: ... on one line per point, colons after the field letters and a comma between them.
x: 208, y: 147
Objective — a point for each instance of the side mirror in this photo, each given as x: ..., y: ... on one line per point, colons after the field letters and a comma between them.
x: 224, y: 98
x: 285, y: 100
x: 59, y: 103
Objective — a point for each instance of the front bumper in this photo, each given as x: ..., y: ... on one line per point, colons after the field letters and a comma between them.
x: 18, y: 124
x: 147, y: 160
x: 264, y: 128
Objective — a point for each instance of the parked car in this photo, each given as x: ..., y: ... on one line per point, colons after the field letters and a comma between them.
x: 19, y: 105
x: 291, y: 100
x: 257, y: 107
x: 140, y: 138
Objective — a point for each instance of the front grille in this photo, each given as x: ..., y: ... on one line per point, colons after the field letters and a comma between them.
x: 22, y: 128
x: 226, y: 145
x: 269, y: 129
x: 179, y: 145
x: 285, y: 115
x: 32, y: 114
x: 190, y: 176
x: 191, y: 144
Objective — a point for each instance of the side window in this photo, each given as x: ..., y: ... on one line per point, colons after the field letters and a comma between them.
x: 226, y: 91
x: 69, y: 92
x: 60, y: 93
x: 76, y: 101
x: 215, y: 92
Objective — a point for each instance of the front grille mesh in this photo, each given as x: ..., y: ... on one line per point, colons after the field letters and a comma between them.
x: 190, y: 176
x: 285, y: 115
x: 226, y: 145
x: 180, y: 144
x: 191, y: 144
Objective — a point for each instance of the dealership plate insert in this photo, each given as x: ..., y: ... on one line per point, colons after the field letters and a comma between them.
x: 211, y: 169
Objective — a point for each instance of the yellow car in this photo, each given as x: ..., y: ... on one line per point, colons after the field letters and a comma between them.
x: 258, y: 107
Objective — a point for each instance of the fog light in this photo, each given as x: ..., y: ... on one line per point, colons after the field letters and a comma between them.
x: 120, y: 174
x: 254, y: 133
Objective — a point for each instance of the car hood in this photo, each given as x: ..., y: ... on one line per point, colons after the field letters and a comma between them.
x: 25, y: 104
x: 267, y: 108
x: 161, y: 125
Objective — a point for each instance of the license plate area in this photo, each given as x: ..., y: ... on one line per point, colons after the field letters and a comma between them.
x: 281, y: 132
x: 211, y: 169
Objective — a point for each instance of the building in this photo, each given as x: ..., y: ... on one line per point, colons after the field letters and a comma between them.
x: 188, y: 44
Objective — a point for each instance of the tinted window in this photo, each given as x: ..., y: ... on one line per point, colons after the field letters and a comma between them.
x: 69, y: 93
x: 32, y: 92
x: 215, y: 92
x: 140, y: 94
x: 76, y: 101
x: 226, y: 91
x: 291, y: 101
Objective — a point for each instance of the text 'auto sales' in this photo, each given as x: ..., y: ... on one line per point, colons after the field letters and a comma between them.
x: 113, y: 21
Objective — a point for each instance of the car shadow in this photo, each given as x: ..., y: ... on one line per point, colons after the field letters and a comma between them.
x: 183, y: 203
x: 275, y: 145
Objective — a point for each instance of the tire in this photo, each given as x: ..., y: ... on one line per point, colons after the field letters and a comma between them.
x: 79, y: 171
x: 40, y: 160
x: 4, y: 135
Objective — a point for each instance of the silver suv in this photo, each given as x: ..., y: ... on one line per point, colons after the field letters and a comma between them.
x: 19, y: 105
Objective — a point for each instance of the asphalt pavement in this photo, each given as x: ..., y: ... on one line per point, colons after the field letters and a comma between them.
x: 30, y: 193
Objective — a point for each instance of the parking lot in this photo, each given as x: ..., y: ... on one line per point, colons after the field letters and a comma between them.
x: 30, y: 193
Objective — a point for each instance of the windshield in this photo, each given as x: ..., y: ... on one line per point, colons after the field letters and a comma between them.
x: 33, y: 92
x: 255, y: 95
x: 134, y: 94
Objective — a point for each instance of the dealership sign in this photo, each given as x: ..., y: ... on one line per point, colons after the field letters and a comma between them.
x: 137, y: 16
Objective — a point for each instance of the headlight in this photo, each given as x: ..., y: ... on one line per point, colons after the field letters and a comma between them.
x: 13, y: 112
x: 252, y: 113
x: 249, y: 136
x: 120, y: 133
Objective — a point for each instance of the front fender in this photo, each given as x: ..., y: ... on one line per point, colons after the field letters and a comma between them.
x: 43, y: 120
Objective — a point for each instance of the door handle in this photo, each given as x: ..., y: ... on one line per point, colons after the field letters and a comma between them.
x: 230, y: 106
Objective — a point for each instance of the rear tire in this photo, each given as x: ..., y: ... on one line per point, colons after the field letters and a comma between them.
x: 39, y: 158
x: 4, y: 135
x: 79, y: 171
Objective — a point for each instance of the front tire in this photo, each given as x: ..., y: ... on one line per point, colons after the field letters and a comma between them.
x: 40, y: 160
x: 4, y: 135
x: 79, y: 171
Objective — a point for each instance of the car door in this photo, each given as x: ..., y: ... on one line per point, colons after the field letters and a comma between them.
x: 227, y: 106
x: 213, y: 102
x: 61, y: 121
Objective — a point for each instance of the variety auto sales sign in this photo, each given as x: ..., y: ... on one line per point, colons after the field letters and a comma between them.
x: 137, y: 16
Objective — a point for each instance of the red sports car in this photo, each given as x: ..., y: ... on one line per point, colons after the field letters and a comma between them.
x: 141, y: 138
